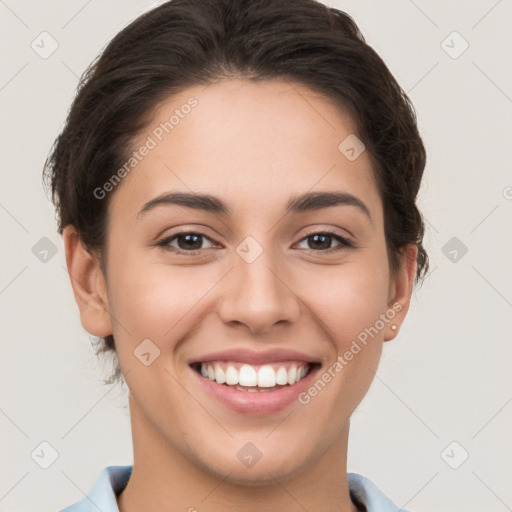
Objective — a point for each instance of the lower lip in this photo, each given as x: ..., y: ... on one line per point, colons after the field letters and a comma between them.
x: 265, y: 402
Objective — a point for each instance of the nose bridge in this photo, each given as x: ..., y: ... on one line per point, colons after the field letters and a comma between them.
x: 255, y: 293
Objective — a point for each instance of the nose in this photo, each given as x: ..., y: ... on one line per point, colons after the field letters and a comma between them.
x: 258, y: 295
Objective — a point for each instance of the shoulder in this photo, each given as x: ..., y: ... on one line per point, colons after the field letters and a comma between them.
x: 367, y: 496
x: 111, y: 481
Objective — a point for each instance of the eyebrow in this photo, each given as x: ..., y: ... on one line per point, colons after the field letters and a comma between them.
x: 296, y: 204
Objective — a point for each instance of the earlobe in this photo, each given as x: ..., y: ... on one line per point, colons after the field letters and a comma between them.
x: 401, y: 290
x: 88, y: 283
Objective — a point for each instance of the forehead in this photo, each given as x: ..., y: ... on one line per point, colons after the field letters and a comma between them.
x: 253, y: 143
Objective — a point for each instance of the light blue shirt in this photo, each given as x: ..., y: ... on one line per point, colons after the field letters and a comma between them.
x: 113, y: 479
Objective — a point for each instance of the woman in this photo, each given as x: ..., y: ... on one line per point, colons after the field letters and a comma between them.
x: 236, y: 187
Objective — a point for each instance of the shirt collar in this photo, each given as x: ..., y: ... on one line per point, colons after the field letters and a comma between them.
x: 113, y: 479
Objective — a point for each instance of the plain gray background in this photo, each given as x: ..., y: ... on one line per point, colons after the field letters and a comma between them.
x: 443, y: 389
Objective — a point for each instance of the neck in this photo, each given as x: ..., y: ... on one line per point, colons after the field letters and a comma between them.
x: 162, y: 475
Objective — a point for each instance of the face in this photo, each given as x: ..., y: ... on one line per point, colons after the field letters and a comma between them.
x: 266, y: 281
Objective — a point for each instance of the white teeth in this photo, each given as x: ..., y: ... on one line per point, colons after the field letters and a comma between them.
x: 292, y: 374
x: 266, y: 377
x: 247, y: 376
x: 253, y: 390
x: 282, y: 376
x: 231, y: 376
x: 220, y: 375
x: 250, y: 390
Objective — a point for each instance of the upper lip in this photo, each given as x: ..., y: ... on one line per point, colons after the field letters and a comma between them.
x: 255, y: 357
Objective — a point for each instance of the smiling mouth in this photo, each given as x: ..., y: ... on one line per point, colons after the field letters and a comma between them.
x: 254, y: 378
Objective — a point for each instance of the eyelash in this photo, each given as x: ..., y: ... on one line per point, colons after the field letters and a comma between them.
x: 344, y: 242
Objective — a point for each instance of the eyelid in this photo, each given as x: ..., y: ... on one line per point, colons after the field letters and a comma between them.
x: 345, y: 241
x: 165, y: 241
x: 330, y: 231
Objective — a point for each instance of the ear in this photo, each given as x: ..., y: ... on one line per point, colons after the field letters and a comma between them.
x: 88, y: 284
x: 400, y: 291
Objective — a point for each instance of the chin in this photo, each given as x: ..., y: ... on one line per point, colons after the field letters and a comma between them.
x: 280, y: 466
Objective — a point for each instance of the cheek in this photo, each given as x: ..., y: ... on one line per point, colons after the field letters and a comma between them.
x: 154, y: 300
x: 351, y: 298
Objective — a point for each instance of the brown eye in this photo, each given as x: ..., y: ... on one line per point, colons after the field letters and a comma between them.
x: 322, y: 241
x: 186, y: 242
